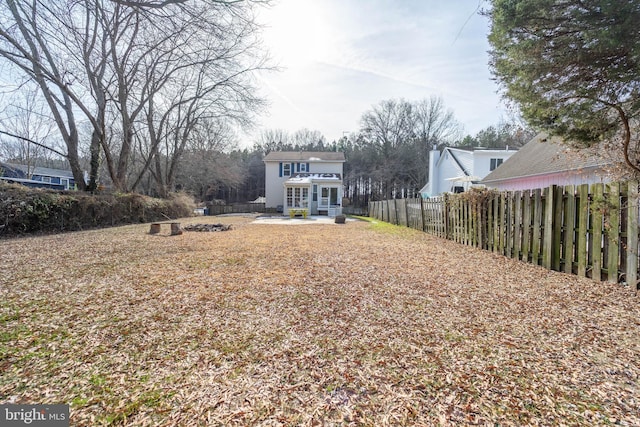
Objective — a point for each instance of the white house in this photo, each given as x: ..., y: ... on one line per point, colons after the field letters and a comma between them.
x: 454, y: 170
x: 543, y: 162
x: 309, y: 181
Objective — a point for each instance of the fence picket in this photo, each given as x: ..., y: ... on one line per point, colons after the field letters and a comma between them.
x: 569, y: 228
x: 583, y: 228
x: 509, y: 225
x: 590, y: 230
x: 517, y: 229
x: 613, y: 232
x: 496, y: 224
x: 631, y: 276
x: 526, y: 227
x: 547, y: 238
x: 556, y: 240
x: 537, y: 224
x: 596, y: 227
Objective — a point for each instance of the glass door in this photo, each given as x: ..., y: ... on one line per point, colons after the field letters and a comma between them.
x: 324, y: 197
x: 333, y: 197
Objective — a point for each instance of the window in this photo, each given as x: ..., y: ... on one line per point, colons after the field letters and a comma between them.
x: 286, y: 169
x: 297, y: 197
x: 315, y: 192
x: 495, y: 163
x: 289, y: 196
x: 329, y: 197
x: 303, y: 167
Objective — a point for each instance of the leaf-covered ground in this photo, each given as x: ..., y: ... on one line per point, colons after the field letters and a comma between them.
x: 356, y: 324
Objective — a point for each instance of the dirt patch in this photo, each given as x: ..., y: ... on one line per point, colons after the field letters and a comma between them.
x: 276, y: 325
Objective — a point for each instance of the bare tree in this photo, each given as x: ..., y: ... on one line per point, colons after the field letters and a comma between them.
x: 273, y: 140
x: 401, y: 134
x: 434, y: 125
x: 119, y: 63
x: 388, y: 129
x: 26, y: 130
x: 205, y: 165
x: 308, y: 140
x: 389, y: 125
x: 34, y: 48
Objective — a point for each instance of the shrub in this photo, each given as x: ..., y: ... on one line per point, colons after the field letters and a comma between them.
x: 26, y: 210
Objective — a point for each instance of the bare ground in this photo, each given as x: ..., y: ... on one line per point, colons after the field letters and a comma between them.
x: 354, y: 324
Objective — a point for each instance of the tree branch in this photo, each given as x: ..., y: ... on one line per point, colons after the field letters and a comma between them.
x: 31, y: 141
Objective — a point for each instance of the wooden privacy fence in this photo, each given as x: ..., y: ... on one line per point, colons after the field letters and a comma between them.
x: 591, y: 231
x: 235, y: 208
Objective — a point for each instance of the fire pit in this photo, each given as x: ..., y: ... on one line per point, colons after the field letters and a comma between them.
x: 207, y: 227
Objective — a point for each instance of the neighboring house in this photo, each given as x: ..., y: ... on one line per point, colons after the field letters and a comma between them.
x: 454, y: 170
x: 310, y: 181
x: 543, y: 162
x: 57, y: 179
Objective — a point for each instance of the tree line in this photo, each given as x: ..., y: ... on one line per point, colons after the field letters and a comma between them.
x: 149, y: 96
x: 387, y: 157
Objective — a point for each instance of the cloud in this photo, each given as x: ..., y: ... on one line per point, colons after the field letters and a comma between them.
x: 341, y: 57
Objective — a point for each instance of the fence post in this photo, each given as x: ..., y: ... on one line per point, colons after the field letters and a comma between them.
x: 526, y: 226
x: 537, y: 222
x: 517, y: 226
x: 395, y: 211
x: 614, y: 233
x: 597, y: 227
x: 446, y: 216
x: 406, y: 212
x: 503, y: 223
x: 632, y: 235
x: 583, y: 228
x: 557, y: 228
x: 547, y: 240
x: 569, y: 228
x: 489, y: 213
x: 480, y: 223
x: 509, y: 226
x: 387, y: 203
x: 496, y: 223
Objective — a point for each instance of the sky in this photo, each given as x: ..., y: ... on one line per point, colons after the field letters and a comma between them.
x: 340, y: 58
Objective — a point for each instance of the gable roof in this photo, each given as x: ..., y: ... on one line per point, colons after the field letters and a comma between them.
x: 62, y: 173
x: 462, y: 158
x: 543, y: 155
x: 304, y: 156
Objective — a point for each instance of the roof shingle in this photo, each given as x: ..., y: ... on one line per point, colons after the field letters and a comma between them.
x: 543, y: 155
x: 304, y: 156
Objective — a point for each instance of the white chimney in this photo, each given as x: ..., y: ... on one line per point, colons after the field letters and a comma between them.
x: 434, y: 156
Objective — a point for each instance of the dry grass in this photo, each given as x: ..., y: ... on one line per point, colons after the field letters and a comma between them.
x: 309, y: 325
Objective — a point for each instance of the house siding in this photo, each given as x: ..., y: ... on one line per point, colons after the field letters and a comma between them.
x: 454, y: 162
x: 448, y: 168
x: 587, y: 176
x: 482, y: 160
x: 274, y: 179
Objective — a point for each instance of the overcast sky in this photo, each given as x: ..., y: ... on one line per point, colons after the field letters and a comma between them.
x: 341, y: 57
